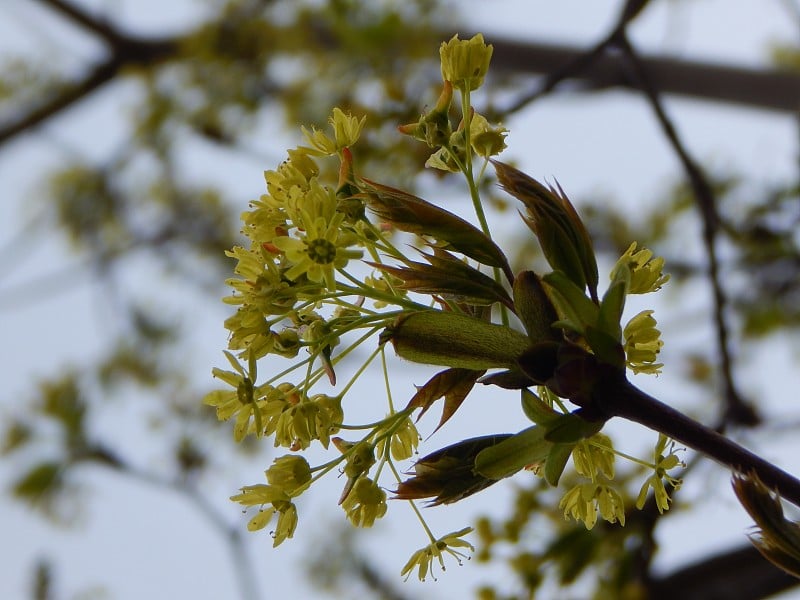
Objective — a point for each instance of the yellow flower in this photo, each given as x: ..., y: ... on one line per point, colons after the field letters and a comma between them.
x: 423, y: 558
x: 465, y: 62
x: 289, y: 473
x: 656, y: 480
x: 287, y: 522
x: 346, y: 128
x: 583, y: 502
x: 643, y: 343
x: 594, y: 455
x: 646, y: 272
x: 246, y: 401
x: 292, y: 177
x: 346, y: 131
x: 365, y: 503
x: 260, y: 495
x: 486, y: 140
x: 402, y: 443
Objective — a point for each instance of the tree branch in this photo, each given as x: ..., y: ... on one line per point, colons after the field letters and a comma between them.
x: 767, y: 89
x: 741, y: 573
x: 616, y: 397
x: 82, y: 18
x: 125, y: 51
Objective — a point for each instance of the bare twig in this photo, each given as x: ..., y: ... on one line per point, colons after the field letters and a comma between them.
x: 124, y: 51
x: 736, y: 410
x: 241, y: 560
x: 84, y: 19
x: 765, y: 89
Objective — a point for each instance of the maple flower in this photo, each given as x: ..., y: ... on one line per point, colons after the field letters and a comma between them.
x: 642, y: 343
x: 365, y: 503
x: 465, y: 62
x: 423, y: 558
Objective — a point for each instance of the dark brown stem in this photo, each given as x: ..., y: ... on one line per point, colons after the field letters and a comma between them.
x: 617, y: 398
x: 742, y: 573
x: 125, y: 51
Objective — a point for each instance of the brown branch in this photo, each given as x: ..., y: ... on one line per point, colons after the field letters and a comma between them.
x: 616, y: 397
x: 127, y: 52
x: 82, y: 18
x: 124, y: 51
x: 765, y: 89
x: 741, y: 573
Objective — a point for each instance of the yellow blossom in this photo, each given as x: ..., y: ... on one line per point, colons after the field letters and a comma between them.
x: 465, y: 62
x: 365, y: 503
x: 643, y: 343
x: 584, y: 501
x: 656, y: 480
x: 289, y: 473
x: 423, y: 558
x: 646, y: 272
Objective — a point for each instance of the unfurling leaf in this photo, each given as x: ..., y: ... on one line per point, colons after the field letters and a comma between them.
x: 415, y: 215
x: 570, y: 428
x: 449, y: 277
x: 560, y: 231
x: 778, y: 538
x: 536, y: 409
x: 452, y: 384
x: 534, y: 308
x: 449, y: 474
x: 556, y: 461
x: 524, y: 449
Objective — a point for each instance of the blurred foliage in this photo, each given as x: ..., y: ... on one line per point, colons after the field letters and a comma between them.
x: 253, y: 62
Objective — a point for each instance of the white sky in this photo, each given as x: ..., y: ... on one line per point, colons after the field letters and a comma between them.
x: 140, y: 542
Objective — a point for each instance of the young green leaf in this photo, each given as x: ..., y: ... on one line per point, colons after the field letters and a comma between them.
x: 556, y: 462
x: 526, y: 448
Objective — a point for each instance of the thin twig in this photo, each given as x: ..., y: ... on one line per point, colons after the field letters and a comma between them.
x: 737, y: 410
x: 240, y: 558
x: 84, y: 19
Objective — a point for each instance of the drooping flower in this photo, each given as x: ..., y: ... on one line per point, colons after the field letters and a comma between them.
x: 584, y: 501
x: 663, y: 464
x: 365, y: 503
x: 643, y: 343
x: 422, y: 559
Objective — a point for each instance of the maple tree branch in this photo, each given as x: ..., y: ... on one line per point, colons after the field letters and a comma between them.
x: 741, y: 573
x: 615, y: 396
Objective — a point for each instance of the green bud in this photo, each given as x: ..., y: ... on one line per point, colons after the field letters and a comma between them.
x: 289, y: 473
x: 534, y: 308
x: 455, y: 340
